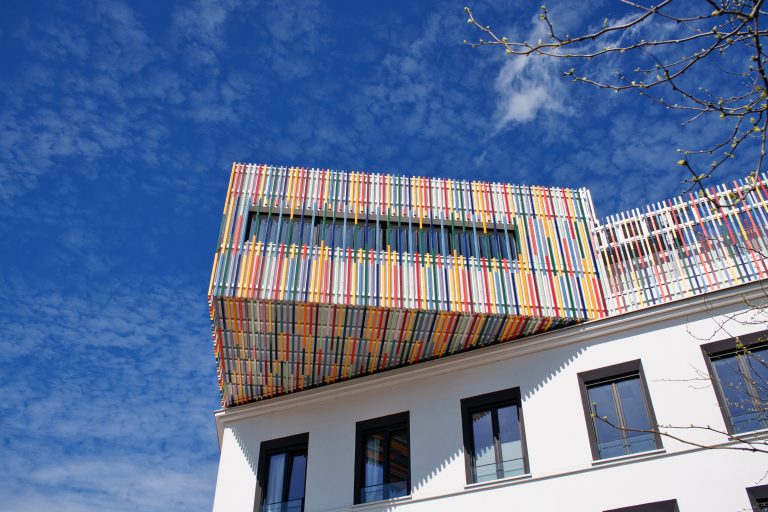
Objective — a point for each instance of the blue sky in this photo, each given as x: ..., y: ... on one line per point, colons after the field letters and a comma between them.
x: 118, y: 126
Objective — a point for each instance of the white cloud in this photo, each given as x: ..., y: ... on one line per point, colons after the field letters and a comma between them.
x: 112, y: 395
x: 111, y: 483
x: 527, y: 85
x: 525, y: 90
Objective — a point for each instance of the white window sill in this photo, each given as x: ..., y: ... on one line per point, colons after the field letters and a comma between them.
x: 494, y: 483
x: 750, y: 436
x: 380, y: 503
x: 623, y: 458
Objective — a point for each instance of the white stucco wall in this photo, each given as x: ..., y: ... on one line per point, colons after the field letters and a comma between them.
x: 545, y: 368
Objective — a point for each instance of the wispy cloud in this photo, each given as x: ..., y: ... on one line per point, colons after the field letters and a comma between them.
x: 105, y: 482
x: 527, y: 86
x: 113, y: 388
x: 200, y: 27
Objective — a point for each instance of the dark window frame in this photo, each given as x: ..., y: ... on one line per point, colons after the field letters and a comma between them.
x: 723, y: 348
x: 271, y: 447
x: 392, y: 422
x: 656, y: 506
x: 612, y: 373
x: 758, y: 497
x: 493, y: 400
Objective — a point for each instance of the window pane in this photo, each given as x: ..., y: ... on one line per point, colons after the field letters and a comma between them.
x: 509, y: 439
x: 757, y: 364
x: 460, y: 243
x: 609, y: 439
x: 394, y: 240
x: 469, y: 243
x: 635, y: 415
x: 306, y: 232
x: 274, y: 230
x: 494, y: 236
x: 422, y: 241
x: 264, y: 224
x: 298, y: 475
x: 354, y: 237
x: 633, y: 405
x: 473, y: 238
x: 320, y: 232
x: 399, y: 455
x: 295, y: 232
x: 482, y: 239
x: 348, y: 234
x: 512, y: 246
x: 372, y: 231
x: 253, y: 228
x: 437, y: 240
x: 334, y: 234
x: 299, y: 231
x: 736, y: 393
x: 503, y: 244
x: 485, y: 455
x: 285, y: 230
x: 374, y: 459
x: 374, y: 468
x: 275, y: 478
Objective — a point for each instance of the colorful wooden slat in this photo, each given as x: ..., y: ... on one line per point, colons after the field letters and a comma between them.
x: 684, y: 246
x: 288, y: 317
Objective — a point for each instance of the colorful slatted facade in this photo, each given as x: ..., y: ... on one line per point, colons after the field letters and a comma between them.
x: 322, y: 276
x: 472, y: 264
x: 685, y: 246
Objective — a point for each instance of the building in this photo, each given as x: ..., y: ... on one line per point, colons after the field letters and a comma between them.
x: 388, y: 342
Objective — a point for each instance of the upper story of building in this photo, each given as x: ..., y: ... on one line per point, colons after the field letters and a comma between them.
x: 322, y: 276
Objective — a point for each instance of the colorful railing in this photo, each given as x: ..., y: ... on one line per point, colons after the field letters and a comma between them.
x: 685, y: 246
x: 386, y: 308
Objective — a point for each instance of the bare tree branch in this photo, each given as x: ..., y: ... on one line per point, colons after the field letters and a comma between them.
x: 690, y: 38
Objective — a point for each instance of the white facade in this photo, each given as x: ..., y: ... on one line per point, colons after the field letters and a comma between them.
x: 666, y: 339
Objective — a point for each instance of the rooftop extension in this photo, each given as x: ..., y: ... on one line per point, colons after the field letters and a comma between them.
x: 322, y: 276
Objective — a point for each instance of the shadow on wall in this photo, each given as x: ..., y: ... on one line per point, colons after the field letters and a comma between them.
x: 445, y: 448
x: 249, y: 451
x: 437, y: 424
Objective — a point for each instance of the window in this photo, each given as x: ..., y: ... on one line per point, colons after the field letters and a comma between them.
x: 493, y: 436
x: 618, y: 409
x: 275, y: 228
x: 659, y: 506
x: 758, y: 498
x: 382, y: 459
x: 739, y: 370
x: 282, y: 474
x: 375, y: 235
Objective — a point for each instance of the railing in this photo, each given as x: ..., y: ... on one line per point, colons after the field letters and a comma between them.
x: 296, y: 505
x: 384, y: 491
x: 685, y: 247
x: 495, y: 471
x: 629, y: 443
